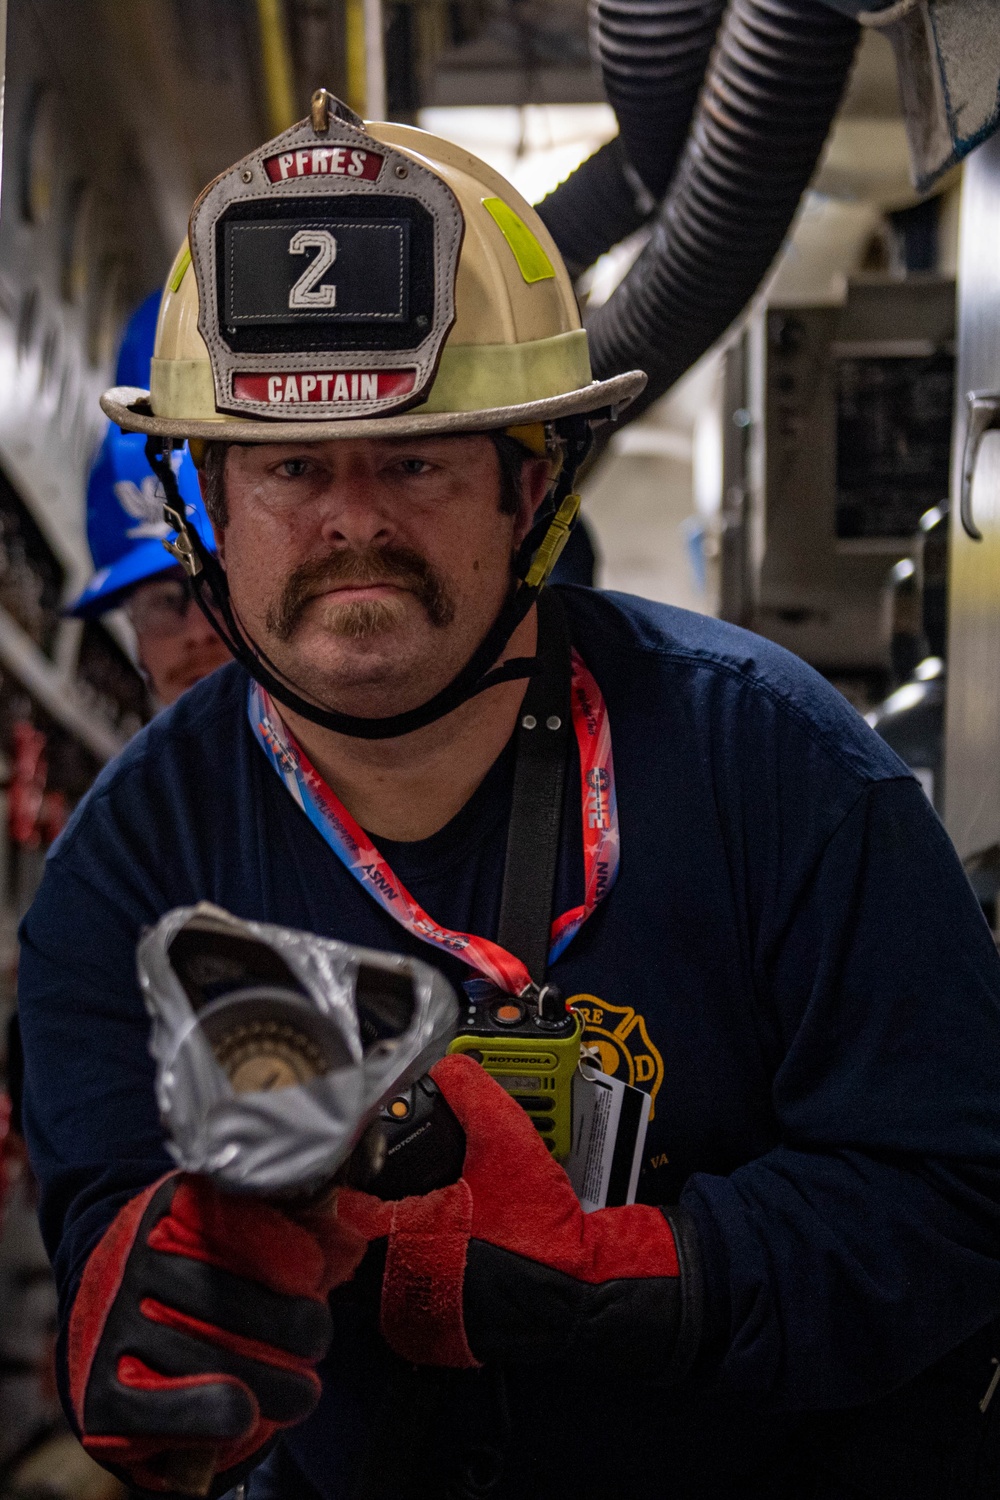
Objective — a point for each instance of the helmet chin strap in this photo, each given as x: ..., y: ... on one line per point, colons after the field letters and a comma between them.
x: 533, y: 563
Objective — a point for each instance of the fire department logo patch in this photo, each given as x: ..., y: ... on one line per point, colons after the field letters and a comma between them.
x: 618, y: 1036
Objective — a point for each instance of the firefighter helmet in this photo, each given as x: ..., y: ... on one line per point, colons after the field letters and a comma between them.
x: 352, y: 280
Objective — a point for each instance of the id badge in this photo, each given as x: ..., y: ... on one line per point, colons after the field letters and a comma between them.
x: 609, y: 1132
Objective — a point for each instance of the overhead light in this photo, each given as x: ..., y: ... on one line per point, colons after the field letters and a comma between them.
x: 535, y: 146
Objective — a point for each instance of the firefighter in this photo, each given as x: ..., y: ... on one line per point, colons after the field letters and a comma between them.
x: 374, y: 352
x: 175, y: 645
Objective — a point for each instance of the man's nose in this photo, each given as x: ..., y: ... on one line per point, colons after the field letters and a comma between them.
x: 354, y: 513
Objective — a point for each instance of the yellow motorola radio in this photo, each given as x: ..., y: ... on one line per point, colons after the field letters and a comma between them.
x: 531, y: 1045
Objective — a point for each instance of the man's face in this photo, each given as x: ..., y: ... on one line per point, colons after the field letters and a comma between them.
x: 177, y: 646
x: 369, y: 570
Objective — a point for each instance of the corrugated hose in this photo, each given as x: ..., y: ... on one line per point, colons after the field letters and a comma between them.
x: 772, y: 89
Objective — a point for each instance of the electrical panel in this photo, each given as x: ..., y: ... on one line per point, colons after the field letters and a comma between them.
x: 837, y: 433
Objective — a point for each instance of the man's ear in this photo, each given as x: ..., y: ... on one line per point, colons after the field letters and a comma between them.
x: 536, y: 478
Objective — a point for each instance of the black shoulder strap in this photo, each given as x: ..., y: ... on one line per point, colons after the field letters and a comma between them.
x: 536, y: 815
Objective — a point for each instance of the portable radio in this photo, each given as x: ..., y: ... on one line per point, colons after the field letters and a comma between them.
x: 531, y: 1046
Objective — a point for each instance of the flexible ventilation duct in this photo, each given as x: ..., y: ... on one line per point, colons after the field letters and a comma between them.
x: 653, y: 54
x: 772, y: 90
x: 598, y: 206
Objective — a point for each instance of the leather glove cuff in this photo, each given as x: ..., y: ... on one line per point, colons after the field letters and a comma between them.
x: 520, y: 1310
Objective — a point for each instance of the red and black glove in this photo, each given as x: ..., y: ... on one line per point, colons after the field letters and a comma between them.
x: 505, y: 1265
x: 195, y: 1332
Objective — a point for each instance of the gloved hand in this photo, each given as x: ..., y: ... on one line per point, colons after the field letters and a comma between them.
x: 505, y: 1265
x: 195, y: 1331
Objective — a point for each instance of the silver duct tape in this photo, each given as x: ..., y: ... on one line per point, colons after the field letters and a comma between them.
x: 285, y: 1140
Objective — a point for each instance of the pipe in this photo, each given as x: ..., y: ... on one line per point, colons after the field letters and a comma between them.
x: 276, y: 61
x: 598, y: 206
x: 773, y: 87
x: 61, y: 699
x: 653, y: 55
x: 355, y: 56
x: 374, y: 22
x: 3, y: 72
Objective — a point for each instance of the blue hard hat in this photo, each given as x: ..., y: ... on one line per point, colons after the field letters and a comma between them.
x: 125, y: 526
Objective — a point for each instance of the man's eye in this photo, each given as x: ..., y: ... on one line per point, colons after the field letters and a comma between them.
x: 294, y: 468
x: 415, y: 466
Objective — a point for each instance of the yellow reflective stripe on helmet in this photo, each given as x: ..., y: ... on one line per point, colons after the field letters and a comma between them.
x: 177, y: 274
x: 476, y: 377
x: 470, y: 377
x: 532, y: 260
x: 183, y: 388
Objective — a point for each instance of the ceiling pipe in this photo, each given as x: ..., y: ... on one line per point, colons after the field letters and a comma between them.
x: 374, y: 23
x: 653, y: 56
x: 279, y: 87
x: 773, y: 87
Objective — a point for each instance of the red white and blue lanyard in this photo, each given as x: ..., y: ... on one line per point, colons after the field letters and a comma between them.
x: 359, y: 855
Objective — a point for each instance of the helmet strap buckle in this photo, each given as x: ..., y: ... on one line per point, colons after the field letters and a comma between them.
x: 551, y: 546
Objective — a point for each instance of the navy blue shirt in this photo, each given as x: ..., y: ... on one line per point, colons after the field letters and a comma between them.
x: 791, y: 961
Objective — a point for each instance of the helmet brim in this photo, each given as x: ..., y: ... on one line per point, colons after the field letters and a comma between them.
x: 109, y: 586
x: 129, y: 407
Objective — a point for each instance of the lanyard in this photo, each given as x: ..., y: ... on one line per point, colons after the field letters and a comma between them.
x: 359, y: 855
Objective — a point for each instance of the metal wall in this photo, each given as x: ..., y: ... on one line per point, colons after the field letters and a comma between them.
x: 115, y: 116
x: 972, y: 722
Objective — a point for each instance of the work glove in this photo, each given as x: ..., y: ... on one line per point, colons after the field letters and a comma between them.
x: 195, y: 1332
x: 504, y: 1264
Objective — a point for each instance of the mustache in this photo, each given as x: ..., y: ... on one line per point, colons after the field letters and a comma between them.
x: 397, y: 565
